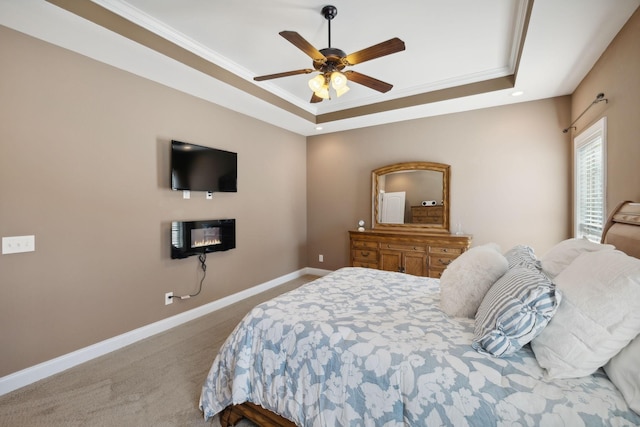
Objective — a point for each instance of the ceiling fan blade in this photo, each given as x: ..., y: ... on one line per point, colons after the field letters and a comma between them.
x: 315, y: 98
x: 298, y: 41
x: 285, y: 74
x: 370, y: 82
x: 376, y: 51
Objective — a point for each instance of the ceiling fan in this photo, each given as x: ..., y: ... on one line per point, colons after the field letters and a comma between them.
x: 330, y: 62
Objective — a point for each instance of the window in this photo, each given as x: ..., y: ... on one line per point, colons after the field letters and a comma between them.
x: 589, y: 181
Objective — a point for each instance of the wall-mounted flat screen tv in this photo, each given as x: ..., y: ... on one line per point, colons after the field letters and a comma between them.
x: 198, y: 168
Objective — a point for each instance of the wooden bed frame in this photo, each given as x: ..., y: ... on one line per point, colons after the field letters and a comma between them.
x: 254, y: 413
x: 622, y: 230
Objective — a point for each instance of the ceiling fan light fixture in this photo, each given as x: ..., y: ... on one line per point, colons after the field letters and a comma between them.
x: 323, y: 92
x: 316, y: 83
x: 338, y: 80
x: 342, y: 91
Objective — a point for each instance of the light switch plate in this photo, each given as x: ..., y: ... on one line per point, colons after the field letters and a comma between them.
x: 18, y: 244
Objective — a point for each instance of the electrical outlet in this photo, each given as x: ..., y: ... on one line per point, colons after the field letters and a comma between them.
x: 321, y: 258
x: 18, y: 244
x: 168, y: 298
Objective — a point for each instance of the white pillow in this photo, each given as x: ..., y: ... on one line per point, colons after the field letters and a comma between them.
x: 599, y: 314
x: 468, y: 278
x: 624, y: 371
x: 562, y: 254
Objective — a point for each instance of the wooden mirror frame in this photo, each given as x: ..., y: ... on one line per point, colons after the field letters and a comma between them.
x: 411, y: 166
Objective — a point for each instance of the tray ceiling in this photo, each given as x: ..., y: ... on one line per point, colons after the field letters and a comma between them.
x: 460, y: 55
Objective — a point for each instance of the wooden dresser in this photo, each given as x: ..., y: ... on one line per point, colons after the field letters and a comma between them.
x: 417, y: 253
x: 427, y: 214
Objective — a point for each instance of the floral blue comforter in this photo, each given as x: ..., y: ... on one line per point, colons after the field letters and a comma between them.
x: 362, y: 347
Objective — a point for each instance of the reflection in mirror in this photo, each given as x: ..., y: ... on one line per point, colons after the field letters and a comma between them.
x: 421, y: 192
x: 411, y: 196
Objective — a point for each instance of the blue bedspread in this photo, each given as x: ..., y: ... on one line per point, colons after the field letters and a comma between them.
x: 362, y: 347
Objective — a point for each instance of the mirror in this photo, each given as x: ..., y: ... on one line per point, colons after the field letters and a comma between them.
x: 412, y: 196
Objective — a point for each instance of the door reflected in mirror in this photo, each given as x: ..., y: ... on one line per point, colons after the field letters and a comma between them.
x: 411, y: 195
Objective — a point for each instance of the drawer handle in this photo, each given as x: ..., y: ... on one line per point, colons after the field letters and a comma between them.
x: 364, y: 254
x: 444, y: 262
x: 445, y: 250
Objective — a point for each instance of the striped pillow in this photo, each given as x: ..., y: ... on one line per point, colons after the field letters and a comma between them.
x: 514, y: 311
x: 522, y: 256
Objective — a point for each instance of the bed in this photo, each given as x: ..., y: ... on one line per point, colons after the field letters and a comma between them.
x: 375, y: 348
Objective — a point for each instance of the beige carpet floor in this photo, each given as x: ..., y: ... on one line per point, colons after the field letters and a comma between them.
x: 154, y: 382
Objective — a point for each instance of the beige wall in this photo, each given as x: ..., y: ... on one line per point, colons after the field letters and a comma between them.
x: 509, y: 178
x: 617, y: 75
x: 511, y: 166
x: 84, y: 163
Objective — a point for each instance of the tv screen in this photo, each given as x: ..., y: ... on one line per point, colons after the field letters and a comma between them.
x: 198, y: 168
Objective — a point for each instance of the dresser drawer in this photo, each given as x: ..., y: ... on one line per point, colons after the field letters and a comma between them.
x: 403, y: 247
x: 364, y: 244
x: 435, y: 273
x: 445, y: 251
x: 440, y: 262
x: 364, y: 255
x: 356, y: 263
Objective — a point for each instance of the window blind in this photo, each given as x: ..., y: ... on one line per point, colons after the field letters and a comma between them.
x: 590, y: 183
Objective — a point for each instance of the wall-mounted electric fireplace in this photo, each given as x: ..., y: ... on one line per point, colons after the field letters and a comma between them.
x: 197, y: 237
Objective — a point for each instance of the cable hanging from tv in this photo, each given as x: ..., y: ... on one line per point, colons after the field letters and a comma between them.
x: 599, y: 98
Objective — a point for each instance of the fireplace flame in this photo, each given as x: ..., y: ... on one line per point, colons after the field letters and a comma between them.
x: 205, y: 242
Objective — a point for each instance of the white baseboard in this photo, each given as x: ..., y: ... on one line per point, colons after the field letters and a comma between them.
x: 315, y: 271
x: 50, y: 367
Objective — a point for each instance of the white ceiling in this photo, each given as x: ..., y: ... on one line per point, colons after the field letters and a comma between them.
x: 448, y: 44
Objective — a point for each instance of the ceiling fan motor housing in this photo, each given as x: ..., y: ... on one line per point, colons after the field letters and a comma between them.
x: 335, y: 60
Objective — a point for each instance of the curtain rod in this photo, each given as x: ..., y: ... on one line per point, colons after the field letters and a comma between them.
x: 599, y: 98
